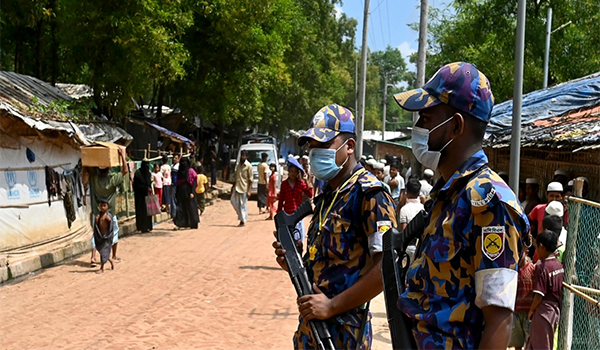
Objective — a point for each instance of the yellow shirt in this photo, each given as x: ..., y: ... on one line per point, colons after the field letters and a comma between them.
x: 263, y: 170
x: 202, y: 179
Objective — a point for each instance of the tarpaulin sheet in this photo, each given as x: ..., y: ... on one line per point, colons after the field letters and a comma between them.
x: 171, y: 134
x: 105, y: 132
x: 550, y: 102
x: 27, y: 222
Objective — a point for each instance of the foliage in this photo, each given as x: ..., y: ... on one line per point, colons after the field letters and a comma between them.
x: 238, y: 64
x: 483, y: 32
x: 75, y: 110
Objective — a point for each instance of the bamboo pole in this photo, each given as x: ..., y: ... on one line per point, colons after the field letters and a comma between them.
x: 581, y: 294
x: 586, y: 289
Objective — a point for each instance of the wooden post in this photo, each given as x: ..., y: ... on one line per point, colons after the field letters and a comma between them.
x: 127, y: 204
x: 569, y: 266
x: 148, y: 154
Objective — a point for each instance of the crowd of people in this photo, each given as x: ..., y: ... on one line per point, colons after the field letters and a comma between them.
x: 485, y: 273
x: 180, y: 189
x: 487, y: 270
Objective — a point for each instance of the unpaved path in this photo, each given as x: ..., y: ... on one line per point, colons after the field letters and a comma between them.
x: 217, y: 287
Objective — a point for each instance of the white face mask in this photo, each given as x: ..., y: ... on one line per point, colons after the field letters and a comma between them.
x: 420, y: 146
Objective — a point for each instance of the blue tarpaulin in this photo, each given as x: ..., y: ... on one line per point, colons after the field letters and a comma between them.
x: 173, y: 135
x: 547, y: 103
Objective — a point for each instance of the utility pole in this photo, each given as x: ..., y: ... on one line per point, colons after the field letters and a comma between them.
x: 386, y: 85
x: 363, y: 84
x: 547, y: 53
x: 422, y: 53
x: 549, y: 33
x: 515, y: 142
x: 356, y: 87
x: 384, y: 105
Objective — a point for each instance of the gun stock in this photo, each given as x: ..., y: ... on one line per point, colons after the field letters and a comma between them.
x: 394, y: 266
x: 285, y: 225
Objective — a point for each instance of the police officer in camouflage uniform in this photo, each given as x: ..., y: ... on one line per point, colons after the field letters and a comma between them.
x: 462, y: 285
x: 344, y: 241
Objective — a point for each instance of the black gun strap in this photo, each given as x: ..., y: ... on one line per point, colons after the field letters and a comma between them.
x: 363, y: 325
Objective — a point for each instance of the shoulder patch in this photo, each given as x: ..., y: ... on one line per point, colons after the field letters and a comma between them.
x: 492, y: 241
x: 484, y: 201
x: 482, y: 191
x: 383, y: 226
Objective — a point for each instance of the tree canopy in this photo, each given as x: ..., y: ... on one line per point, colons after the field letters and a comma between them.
x: 268, y: 63
x: 483, y: 33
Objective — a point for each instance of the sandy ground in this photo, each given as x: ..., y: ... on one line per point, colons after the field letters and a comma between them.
x: 217, y: 287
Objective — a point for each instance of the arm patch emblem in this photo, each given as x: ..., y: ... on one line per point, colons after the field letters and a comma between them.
x: 492, y: 241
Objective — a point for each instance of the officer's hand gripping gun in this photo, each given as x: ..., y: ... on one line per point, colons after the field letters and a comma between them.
x: 394, y: 266
x: 285, y: 225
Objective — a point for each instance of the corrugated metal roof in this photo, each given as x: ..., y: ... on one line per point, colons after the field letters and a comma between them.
x: 17, y: 92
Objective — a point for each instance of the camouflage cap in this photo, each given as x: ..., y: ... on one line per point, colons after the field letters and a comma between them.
x: 457, y: 84
x: 329, y: 122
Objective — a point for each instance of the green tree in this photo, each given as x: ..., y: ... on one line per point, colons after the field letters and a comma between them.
x: 121, y: 48
x: 483, y: 33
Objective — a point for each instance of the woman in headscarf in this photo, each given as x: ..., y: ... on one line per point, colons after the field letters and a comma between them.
x: 142, y: 186
x: 187, y: 209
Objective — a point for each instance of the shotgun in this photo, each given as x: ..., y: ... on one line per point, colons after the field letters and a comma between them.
x: 285, y: 225
x: 394, y: 266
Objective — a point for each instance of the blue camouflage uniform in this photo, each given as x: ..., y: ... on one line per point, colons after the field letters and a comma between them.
x: 468, y: 258
x: 342, y: 251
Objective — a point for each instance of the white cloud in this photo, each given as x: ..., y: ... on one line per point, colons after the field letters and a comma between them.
x: 406, y: 50
x: 338, y: 10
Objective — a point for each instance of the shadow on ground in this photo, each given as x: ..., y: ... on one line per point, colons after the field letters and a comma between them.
x: 260, y: 268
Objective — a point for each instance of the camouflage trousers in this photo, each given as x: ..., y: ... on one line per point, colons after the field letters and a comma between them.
x: 344, y: 330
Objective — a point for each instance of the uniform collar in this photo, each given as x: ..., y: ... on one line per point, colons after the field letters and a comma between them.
x: 469, y: 167
x: 358, y: 167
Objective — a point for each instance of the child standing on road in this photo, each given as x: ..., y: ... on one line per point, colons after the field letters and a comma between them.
x: 104, y: 231
x: 157, y: 178
x: 201, y: 188
x: 272, y: 195
x: 292, y: 189
x: 547, y: 290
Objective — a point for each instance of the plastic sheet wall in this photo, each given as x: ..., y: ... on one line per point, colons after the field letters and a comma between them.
x: 27, y: 223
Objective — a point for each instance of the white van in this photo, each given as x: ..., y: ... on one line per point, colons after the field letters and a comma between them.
x: 255, y: 150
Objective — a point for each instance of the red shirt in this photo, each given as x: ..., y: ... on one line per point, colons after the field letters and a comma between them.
x: 537, y: 214
x: 549, y: 275
x: 291, y: 198
x: 525, y: 287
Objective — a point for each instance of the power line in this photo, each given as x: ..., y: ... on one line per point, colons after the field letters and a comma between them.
x: 376, y: 7
x: 371, y: 35
x: 388, y: 20
x: 381, y: 25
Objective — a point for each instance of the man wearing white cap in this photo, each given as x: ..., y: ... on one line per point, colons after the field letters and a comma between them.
x: 561, y: 176
x: 426, y: 183
x: 532, y: 187
x: 370, y: 165
x: 554, y: 192
x: 557, y: 208
x: 378, y: 172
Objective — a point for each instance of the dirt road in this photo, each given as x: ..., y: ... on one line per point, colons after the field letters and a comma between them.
x: 217, y: 287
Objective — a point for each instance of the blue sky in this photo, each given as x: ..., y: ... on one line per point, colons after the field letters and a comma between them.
x: 388, y: 23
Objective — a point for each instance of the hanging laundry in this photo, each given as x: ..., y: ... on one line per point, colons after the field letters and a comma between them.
x: 68, y: 203
x: 52, y: 185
